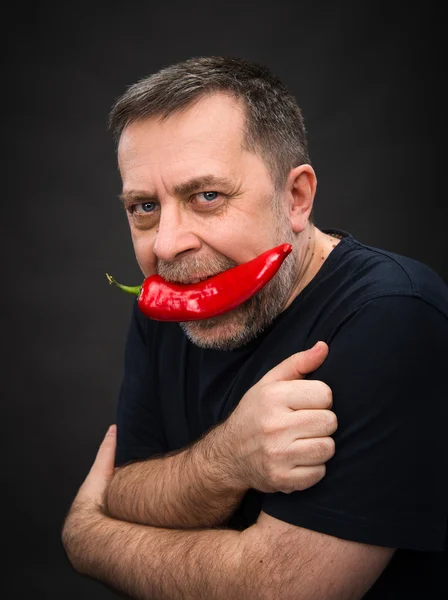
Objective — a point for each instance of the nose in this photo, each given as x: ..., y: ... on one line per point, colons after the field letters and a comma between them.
x: 174, y: 237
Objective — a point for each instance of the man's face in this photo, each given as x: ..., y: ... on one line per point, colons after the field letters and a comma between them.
x: 198, y: 204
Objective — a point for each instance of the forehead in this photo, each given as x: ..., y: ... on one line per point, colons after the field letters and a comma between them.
x: 213, y: 127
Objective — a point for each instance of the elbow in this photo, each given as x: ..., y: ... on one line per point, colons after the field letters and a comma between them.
x: 70, y: 538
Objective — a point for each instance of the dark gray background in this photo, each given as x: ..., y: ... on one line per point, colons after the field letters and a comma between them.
x: 368, y: 78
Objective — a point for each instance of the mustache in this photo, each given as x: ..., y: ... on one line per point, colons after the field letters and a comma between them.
x: 183, y: 271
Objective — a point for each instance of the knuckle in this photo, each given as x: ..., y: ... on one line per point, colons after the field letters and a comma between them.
x: 304, y: 483
x: 329, y: 395
x: 287, y: 485
x: 319, y: 473
x: 331, y: 448
x: 311, y: 477
x: 279, y: 481
x: 325, y: 394
x: 318, y: 392
x: 321, y: 449
x: 332, y: 422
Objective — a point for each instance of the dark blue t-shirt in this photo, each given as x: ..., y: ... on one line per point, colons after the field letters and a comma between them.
x: 385, y: 319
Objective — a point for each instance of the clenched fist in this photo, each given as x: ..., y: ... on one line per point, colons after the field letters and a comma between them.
x: 281, y: 430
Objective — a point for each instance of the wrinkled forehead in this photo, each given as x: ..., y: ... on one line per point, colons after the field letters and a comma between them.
x: 214, y: 124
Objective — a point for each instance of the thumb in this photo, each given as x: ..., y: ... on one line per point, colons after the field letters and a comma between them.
x: 105, y: 458
x: 298, y: 365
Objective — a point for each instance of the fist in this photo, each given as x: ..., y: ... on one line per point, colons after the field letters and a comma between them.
x: 281, y: 430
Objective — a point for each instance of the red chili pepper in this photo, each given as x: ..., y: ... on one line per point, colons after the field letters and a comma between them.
x: 163, y: 301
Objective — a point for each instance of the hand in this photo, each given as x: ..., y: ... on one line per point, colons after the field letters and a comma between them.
x: 87, y: 507
x: 91, y: 492
x: 280, y: 431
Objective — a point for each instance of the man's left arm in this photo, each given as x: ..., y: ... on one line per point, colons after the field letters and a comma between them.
x: 269, y: 560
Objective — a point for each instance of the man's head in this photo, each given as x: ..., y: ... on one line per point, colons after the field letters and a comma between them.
x: 213, y: 157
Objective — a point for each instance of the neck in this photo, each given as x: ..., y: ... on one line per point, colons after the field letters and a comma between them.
x: 314, y: 249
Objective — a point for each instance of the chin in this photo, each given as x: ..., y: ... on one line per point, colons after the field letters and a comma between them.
x: 226, y: 332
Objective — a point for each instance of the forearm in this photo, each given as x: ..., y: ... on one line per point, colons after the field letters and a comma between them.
x: 197, y: 487
x: 153, y: 563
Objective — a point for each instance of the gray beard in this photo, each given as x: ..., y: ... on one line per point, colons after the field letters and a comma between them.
x: 241, y: 325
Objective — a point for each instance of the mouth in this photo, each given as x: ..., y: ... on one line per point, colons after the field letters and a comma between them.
x: 190, y: 281
x: 199, y: 279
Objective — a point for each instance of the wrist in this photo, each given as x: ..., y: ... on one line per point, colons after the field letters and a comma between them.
x: 219, y: 459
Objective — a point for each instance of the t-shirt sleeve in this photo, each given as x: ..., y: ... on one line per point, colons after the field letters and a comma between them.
x: 139, y: 421
x: 387, y: 482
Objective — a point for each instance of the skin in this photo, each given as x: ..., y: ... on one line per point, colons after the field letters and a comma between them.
x: 184, y: 236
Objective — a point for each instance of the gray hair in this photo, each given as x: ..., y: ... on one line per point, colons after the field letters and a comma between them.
x: 274, y: 124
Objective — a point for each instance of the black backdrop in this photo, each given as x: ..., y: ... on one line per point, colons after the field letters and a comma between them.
x: 368, y: 78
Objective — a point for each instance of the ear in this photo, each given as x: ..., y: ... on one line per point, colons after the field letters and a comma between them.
x: 300, y: 191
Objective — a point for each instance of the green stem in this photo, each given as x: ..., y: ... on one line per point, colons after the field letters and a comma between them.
x: 126, y: 288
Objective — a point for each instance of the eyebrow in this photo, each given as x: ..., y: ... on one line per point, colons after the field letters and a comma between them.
x: 135, y: 196
x: 201, y: 183
x: 205, y: 182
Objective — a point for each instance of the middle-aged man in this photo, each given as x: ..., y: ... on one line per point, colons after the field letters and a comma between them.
x: 220, y: 486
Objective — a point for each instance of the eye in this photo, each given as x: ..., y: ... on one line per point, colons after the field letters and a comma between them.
x: 144, y: 207
x: 208, y: 196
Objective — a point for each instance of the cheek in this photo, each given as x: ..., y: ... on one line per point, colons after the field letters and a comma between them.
x: 144, y: 253
x: 244, y: 237
x: 238, y: 247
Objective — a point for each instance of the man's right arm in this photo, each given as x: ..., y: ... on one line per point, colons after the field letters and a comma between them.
x: 277, y: 439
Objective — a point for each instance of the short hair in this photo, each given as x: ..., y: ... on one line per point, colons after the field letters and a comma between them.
x: 274, y: 125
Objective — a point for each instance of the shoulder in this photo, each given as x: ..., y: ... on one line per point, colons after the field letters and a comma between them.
x: 379, y: 272
x: 357, y: 275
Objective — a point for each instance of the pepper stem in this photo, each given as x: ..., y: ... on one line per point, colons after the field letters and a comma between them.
x: 126, y: 288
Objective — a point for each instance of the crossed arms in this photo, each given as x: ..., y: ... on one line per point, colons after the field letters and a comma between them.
x: 154, y: 534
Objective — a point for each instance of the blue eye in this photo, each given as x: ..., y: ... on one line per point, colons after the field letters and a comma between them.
x: 209, y: 195
x: 146, y: 207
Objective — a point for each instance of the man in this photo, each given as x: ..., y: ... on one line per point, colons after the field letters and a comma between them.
x: 224, y: 425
